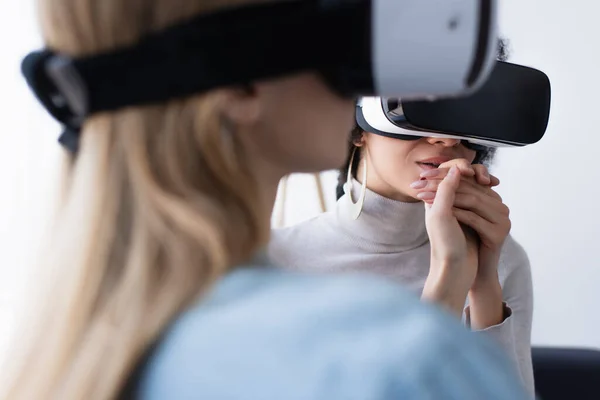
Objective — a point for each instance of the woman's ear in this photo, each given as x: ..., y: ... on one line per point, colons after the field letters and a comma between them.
x: 359, y: 141
x: 242, y: 105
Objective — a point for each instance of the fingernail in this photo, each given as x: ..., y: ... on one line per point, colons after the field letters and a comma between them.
x: 453, y: 171
x: 430, y: 173
x: 426, y: 196
x: 418, y: 184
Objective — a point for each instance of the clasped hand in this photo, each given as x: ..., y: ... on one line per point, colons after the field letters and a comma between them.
x: 459, y: 197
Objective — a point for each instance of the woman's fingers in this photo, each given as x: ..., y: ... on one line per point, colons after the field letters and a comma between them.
x: 491, y: 234
x: 474, y: 221
x: 494, y: 181
x: 486, y: 207
x: 467, y: 195
x: 446, y: 192
x: 481, y: 208
x: 463, y: 166
x: 428, y: 187
x: 440, y: 173
x: 482, y: 176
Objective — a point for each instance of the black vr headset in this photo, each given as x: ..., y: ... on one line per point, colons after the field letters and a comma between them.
x: 511, y: 109
x: 415, y: 50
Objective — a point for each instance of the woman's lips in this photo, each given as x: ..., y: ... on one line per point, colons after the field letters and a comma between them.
x: 427, y: 167
x: 433, y: 162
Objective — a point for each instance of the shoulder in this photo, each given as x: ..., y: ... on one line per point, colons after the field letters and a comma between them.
x: 513, y: 251
x: 303, y: 229
x: 287, y: 335
x: 288, y: 245
x: 513, y: 257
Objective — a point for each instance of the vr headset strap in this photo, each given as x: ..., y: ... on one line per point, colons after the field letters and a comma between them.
x: 221, y: 49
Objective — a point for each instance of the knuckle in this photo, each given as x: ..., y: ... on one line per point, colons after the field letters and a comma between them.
x: 480, y: 168
x: 448, y: 164
x: 474, y: 218
x: 494, y: 194
x: 461, y: 163
x: 464, y: 214
x: 503, y: 229
x: 470, y: 217
x: 498, y: 240
x: 446, y: 183
x: 432, y: 185
x: 469, y: 199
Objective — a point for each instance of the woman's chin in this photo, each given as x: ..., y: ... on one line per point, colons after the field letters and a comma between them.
x: 412, y: 194
x: 415, y: 199
x: 406, y: 195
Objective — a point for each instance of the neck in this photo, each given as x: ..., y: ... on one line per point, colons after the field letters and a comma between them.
x: 384, y: 225
x: 266, y: 175
x: 381, y: 187
x: 268, y: 192
x: 267, y: 180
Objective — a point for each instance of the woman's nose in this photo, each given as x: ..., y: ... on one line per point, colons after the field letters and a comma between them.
x: 446, y: 142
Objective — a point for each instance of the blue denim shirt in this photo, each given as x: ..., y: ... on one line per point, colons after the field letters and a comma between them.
x: 268, y: 334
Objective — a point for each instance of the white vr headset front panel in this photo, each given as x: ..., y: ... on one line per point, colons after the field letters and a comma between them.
x: 374, y: 115
x: 434, y: 45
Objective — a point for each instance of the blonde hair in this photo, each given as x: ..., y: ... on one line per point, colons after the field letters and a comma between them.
x: 158, y: 203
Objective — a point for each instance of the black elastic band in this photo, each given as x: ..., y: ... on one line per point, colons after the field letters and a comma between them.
x: 221, y: 49
x: 226, y: 48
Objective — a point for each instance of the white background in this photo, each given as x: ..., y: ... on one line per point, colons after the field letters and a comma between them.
x: 552, y: 187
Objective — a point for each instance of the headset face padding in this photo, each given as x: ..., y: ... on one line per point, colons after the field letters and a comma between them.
x: 511, y: 109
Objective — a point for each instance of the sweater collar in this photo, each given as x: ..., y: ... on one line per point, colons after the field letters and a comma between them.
x: 390, y: 225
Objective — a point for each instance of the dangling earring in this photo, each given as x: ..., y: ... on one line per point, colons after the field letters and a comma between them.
x: 355, y: 208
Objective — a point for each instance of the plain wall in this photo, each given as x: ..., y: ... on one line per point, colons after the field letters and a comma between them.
x: 551, y: 187
x: 28, y: 163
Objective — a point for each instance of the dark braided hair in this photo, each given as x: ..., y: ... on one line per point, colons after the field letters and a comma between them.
x: 484, y: 157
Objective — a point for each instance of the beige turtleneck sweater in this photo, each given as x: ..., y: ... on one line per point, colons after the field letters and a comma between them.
x: 389, y: 238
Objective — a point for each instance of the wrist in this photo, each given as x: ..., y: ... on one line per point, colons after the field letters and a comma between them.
x: 486, y: 305
x: 486, y: 283
x: 489, y: 290
x: 442, y: 288
x: 487, y: 272
x: 452, y: 274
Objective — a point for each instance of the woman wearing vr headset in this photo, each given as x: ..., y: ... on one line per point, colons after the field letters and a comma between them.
x: 156, y: 287
x: 379, y: 225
